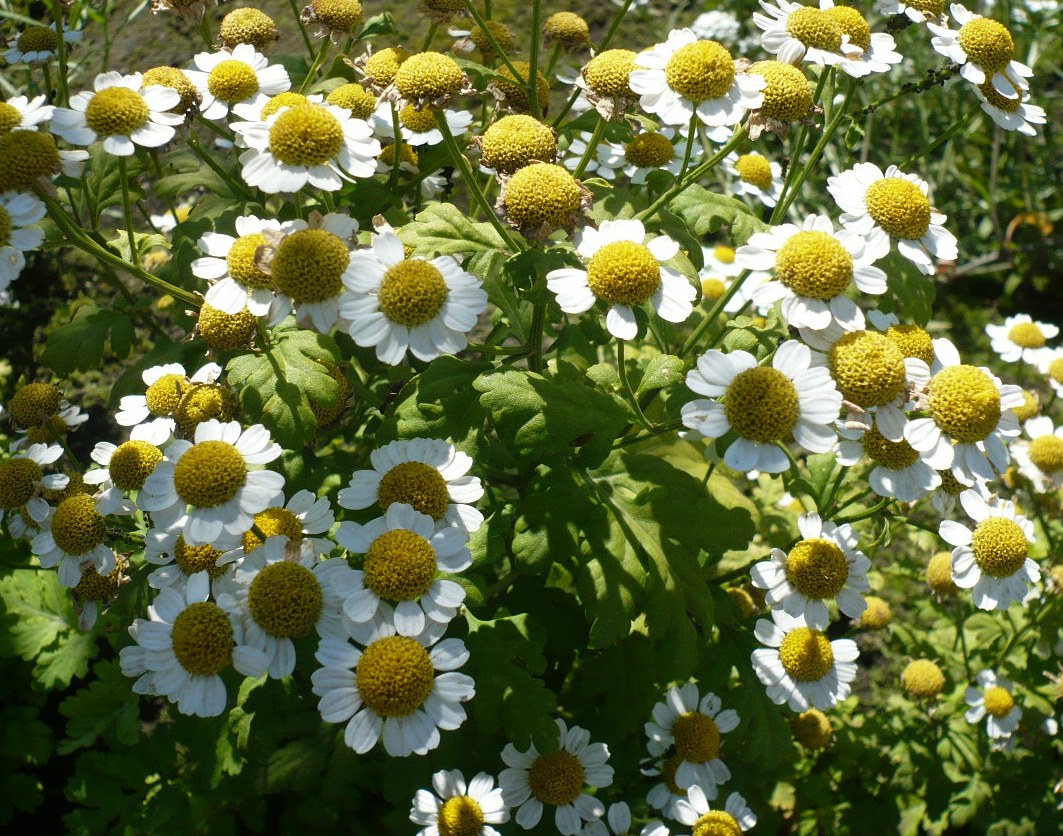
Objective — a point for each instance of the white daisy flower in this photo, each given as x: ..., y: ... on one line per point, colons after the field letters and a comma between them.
x: 398, y: 304
x: 623, y: 272
x: 655, y: 827
x: 151, y: 415
x: 796, y: 33
x: 123, y: 468
x: 178, y: 561
x: 308, y: 144
x: 55, y: 428
x: 800, y: 666
x: 969, y: 417
x: 183, y: 646
x: 280, y: 594
x: 1041, y: 458
x: 946, y: 497
x: 121, y: 113
x: 693, y: 726
x: 717, y: 275
x: 896, y: 203
x: 229, y: 264
x: 22, y: 478
x: 459, y: 808
x: 1020, y: 338
x: 736, y: 817
x: 558, y: 779
x: 875, y: 51
x: 19, y: 212
x: 993, y: 560
x: 19, y: 112
x: 985, y: 51
x: 302, y: 516
x: 605, y: 162
x: 765, y: 405
x: 824, y: 564
x: 428, y: 473
x: 95, y: 591
x: 398, y: 583
x: 418, y: 127
x: 685, y: 76
x: 225, y: 79
x: 390, y: 691
x: 899, y: 471
x: 1050, y: 364
x: 75, y: 533
x: 258, y: 110
x: 617, y: 822
x: 208, y: 484
x: 663, y: 150
x: 37, y: 44
x: 993, y: 699
x: 167, y: 221
x: 917, y: 11
x: 1015, y: 114
x: 813, y: 266
x: 755, y: 175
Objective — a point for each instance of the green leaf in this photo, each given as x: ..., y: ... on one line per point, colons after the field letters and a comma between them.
x: 79, y: 345
x: 706, y: 212
x: 911, y: 294
x: 550, y: 523
x: 442, y: 229
x: 278, y: 382
x: 661, y: 372
x: 108, y: 704
x: 144, y: 242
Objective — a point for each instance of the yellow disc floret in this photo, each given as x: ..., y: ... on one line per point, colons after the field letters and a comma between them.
x: 248, y: 26
x: 285, y: 599
x: 716, y: 823
x: 514, y: 88
x: 755, y: 170
x: 965, y: 403
x: 607, y: 73
x: 416, y: 120
x: 305, y: 135
x: 24, y: 157
x: 34, y: 403
x: 567, y: 28
x: 1031, y: 406
x: 1000, y: 547
x: 400, y: 565
x: 232, y: 81
x: 697, y: 737
x: 878, y: 614
x: 868, y: 368
x: 429, y: 76
x: 132, y: 463
x: 77, y: 527
x: 814, y: 264
x: 712, y: 289
x: 355, y: 98
x: 987, y: 43
x: 175, y: 79
x: 395, y: 676
x: 1027, y: 335
x: 995, y: 99
x: 460, y: 815
x: 308, y: 265
x: 556, y: 778
x: 701, y: 71
x: 272, y: 522
x: 934, y: 8
x: 514, y: 141
x: 209, y: 474
x: 899, y: 207
x: 913, y: 341
x: 96, y: 587
x: 817, y: 568
x: 116, y: 111
x: 223, y: 331
x: 761, y: 404
x: 815, y: 28
x: 10, y: 117
x: 412, y: 292
x: 241, y: 261
x: 923, y: 679
x: 201, y: 402
x: 325, y: 415
x: 499, y: 31
x: 999, y: 701
x: 853, y: 24
x: 18, y: 478
x: 939, y: 574
x: 1046, y: 453
x: 812, y: 729
x: 787, y: 96
x: 203, y: 639
x: 164, y: 394
x: 192, y: 559
x: 806, y: 654
x: 286, y: 99
x: 623, y: 273
x: 417, y: 484
x: 381, y: 67
x: 649, y: 150
x: 542, y: 194
x: 338, y: 15
x: 37, y: 39
x: 893, y: 455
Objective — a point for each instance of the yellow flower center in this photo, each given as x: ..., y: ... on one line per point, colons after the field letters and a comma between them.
x: 868, y: 368
x: 339, y: 15
x: 697, y: 737
x: 382, y: 66
x: 444, y: 5
x: 668, y: 770
x: 25, y: 156
x: 716, y: 823
x: 913, y: 341
x: 164, y: 394
x: 724, y: 254
x: 288, y: 99
x: 950, y: 484
x: 607, y: 73
x: 815, y: 28
x: 1000, y: 102
x: 964, y: 403
x: 567, y: 28
x: 923, y: 679
x: 77, y: 527
x: 787, y: 96
x: 894, y: 455
x: 650, y: 150
x: 1000, y: 547
x: 939, y: 574
x: 225, y: 332
x: 412, y: 292
x: 96, y: 587
x: 742, y: 601
x: 701, y: 71
x: 400, y: 565
x: 17, y: 478
x: 755, y: 170
x: 428, y: 76
x: 499, y: 31
x: 899, y: 207
x: 116, y: 111
x: 712, y: 289
x: 308, y: 265
x: 1055, y: 370
x: 1046, y: 452
x: 416, y: 484
x: 814, y: 264
x: 241, y: 261
x: 274, y: 521
x: 999, y: 701
x: 761, y: 404
x: 201, y: 402
x: 623, y: 273
x: 806, y: 654
x: 514, y: 141
x: 355, y: 98
x: 51, y: 430
x: 203, y: 639
x: 232, y: 81
x: 209, y: 474
x: 305, y: 135
x: 931, y: 7
x: 406, y: 154
x: 556, y: 778
x: 817, y: 568
x: 1027, y: 335
x: 812, y: 729
x: 193, y: 559
x: 10, y: 117
x: 38, y: 39
x: 416, y: 120
x: 514, y: 88
x: 34, y: 404
x: 175, y: 79
x: 542, y: 194
x: 285, y: 599
x: 987, y: 43
x: 325, y: 415
x: 460, y: 815
x: 5, y: 227
x: 853, y: 24
x: 248, y: 26
x: 395, y: 676
x: 877, y: 615
x: 132, y: 463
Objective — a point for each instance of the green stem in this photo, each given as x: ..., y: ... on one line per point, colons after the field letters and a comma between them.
x: 689, y: 153
x: 482, y: 23
x: 62, y: 96
x: 592, y: 149
x: 554, y: 55
x: 396, y: 150
x: 302, y: 28
x: 614, y: 25
x: 658, y: 429
x: 720, y: 580
x: 538, y: 323
x: 237, y: 187
x: 621, y: 368
x: 533, y: 59
x: 568, y: 106
x: 864, y: 515
x: 714, y: 312
x: 500, y: 350
x: 943, y: 137
x: 127, y: 207
x: 319, y: 59
x: 431, y: 33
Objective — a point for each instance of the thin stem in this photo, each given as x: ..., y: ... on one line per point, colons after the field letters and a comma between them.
x: 127, y: 206
x: 592, y: 149
x: 691, y: 133
x: 62, y: 96
x: 621, y: 368
x: 236, y: 187
x: 302, y: 28
x: 714, y: 312
x: 554, y: 55
x: 431, y: 33
x: 533, y: 59
x: 319, y: 59
x: 482, y: 23
x: 568, y: 106
x: 614, y: 25
x: 864, y: 515
x: 538, y: 324
x: 500, y: 350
